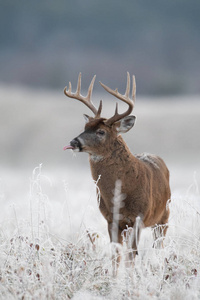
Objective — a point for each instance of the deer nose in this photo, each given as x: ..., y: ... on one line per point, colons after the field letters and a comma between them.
x: 75, y: 143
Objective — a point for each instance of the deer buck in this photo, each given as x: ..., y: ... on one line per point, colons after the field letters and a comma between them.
x: 144, y: 178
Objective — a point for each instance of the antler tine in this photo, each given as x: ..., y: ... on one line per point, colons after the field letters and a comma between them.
x: 134, y: 89
x: 91, y: 87
x: 70, y: 87
x: 125, y: 98
x: 78, y: 89
x: 98, y: 114
x: 127, y: 85
x: 77, y: 95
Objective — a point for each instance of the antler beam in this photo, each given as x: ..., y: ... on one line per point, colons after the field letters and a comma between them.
x: 125, y: 98
x: 77, y: 95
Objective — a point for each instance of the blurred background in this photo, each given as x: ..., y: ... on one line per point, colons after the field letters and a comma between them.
x: 45, y: 44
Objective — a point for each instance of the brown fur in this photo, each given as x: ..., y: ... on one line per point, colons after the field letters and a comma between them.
x: 144, y: 178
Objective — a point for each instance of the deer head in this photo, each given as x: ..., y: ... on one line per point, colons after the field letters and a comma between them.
x: 99, y: 132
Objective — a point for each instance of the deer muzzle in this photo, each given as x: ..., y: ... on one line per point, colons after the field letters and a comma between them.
x: 75, y: 144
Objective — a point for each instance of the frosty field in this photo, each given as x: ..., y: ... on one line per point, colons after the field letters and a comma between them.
x: 53, y: 239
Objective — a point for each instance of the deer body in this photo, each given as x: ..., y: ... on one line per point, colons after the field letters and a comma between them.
x: 138, y: 179
x: 144, y: 178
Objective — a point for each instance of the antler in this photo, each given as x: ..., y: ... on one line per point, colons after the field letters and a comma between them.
x: 86, y: 100
x: 125, y: 98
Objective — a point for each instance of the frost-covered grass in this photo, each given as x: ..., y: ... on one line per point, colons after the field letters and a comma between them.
x: 50, y: 250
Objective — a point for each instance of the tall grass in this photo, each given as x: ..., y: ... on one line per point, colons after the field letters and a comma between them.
x: 36, y: 263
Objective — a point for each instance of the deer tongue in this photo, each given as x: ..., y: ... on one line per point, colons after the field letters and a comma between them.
x: 68, y: 147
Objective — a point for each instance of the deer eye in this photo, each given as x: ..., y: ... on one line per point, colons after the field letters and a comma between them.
x: 100, y: 132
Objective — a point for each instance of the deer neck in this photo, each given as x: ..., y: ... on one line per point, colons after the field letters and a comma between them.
x: 115, y: 159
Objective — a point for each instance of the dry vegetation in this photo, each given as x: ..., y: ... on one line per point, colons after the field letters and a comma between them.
x: 53, y: 239
x: 37, y: 263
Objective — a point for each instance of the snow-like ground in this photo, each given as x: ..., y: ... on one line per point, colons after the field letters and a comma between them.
x: 49, y: 213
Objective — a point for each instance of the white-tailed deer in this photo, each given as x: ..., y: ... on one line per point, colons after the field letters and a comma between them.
x: 144, y: 178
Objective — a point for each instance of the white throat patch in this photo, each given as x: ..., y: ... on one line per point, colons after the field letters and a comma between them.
x: 96, y: 158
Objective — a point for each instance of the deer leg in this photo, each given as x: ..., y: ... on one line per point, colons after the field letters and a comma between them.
x: 116, y: 239
x: 131, y: 238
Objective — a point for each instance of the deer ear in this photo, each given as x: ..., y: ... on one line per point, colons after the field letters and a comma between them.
x: 87, y: 118
x: 125, y: 124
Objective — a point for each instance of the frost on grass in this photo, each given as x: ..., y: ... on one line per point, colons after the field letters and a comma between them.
x: 37, y: 264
